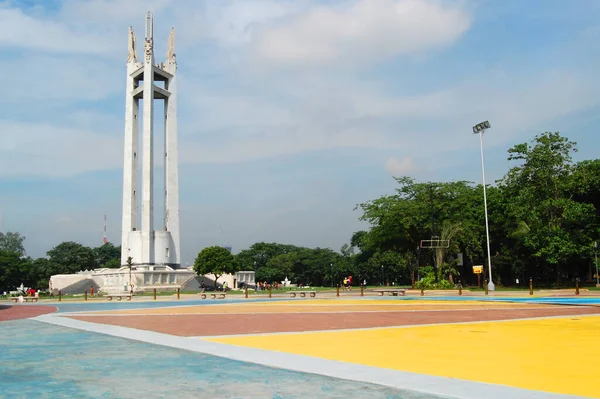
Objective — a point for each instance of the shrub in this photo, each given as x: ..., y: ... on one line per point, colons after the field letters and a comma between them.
x: 428, y: 282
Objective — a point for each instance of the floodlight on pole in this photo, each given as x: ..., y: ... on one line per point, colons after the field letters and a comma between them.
x: 479, y: 129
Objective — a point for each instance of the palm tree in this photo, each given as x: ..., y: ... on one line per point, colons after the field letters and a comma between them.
x: 449, y: 231
x: 448, y: 269
x: 521, y: 230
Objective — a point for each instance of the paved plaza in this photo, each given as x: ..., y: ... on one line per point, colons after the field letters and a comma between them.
x: 444, y: 347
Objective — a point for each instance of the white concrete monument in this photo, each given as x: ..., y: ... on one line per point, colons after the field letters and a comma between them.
x: 155, y: 254
x: 147, y: 81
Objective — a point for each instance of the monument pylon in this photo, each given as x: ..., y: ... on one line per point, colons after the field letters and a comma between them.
x: 147, y: 81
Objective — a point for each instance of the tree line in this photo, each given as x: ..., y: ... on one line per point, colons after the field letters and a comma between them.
x: 68, y: 257
x: 274, y: 262
x: 543, y: 221
x: 543, y: 218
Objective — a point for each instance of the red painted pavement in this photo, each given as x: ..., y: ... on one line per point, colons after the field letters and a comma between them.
x: 9, y: 312
x: 230, y: 324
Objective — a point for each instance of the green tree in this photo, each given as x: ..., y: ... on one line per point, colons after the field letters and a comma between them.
x: 418, y: 211
x: 13, y: 270
x: 278, y: 268
x: 43, y: 269
x: 215, y: 260
x: 107, y: 255
x: 72, y: 257
x: 540, y: 196
x: 12, y: 242
x: 257, y: 256
x: 387, y: 267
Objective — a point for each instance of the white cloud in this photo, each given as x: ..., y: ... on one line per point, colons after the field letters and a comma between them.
x: 233, y: 23
x: 400, y: 167
x: 236, y: 128
x: 106, y: 12
x: 49, y: 150
x: 26, y: 32
x: 366, y: 116
x: 48, y: 78
x: 361, y: 31
x: 232, y: 115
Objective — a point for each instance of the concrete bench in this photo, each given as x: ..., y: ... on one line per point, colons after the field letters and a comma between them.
x: 303, y: 293
x: 25, y: 299
x: 393, y: 292
x: 118, y: 297
x: 213, y: 295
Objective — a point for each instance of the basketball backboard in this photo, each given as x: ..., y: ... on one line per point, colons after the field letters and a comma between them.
x: 435, y: 243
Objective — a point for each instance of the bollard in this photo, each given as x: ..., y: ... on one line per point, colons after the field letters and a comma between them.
x: 59, y: 296
x: 486, y: 286
x: 459, y: 288
x: 337, y: 290
x: 362, y: 290
x: 155, y: 294
x: 577, y: 286
x: 246, y: 293
x: 270, y: 290
x: 422, y: 293
x: 85, y: 295
x: 178, y: 293
x: 530, y: 286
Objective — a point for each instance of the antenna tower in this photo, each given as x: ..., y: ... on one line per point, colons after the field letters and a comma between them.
x: 105, y: 240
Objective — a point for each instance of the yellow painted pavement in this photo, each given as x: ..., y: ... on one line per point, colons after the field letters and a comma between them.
x: 559, y: 355
x: 392, y: 302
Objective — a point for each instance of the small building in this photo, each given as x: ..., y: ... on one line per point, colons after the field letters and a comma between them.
x: 240, y: 279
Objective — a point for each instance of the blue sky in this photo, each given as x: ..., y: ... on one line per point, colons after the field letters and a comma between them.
x: 291, y: 112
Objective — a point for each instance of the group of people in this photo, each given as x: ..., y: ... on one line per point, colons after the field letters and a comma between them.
x: 263, y: 285
x: 31, y: 292
x: 348, y: 283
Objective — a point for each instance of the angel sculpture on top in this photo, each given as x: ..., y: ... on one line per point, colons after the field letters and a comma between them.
x: 132, y: 54
x: 171, y: 49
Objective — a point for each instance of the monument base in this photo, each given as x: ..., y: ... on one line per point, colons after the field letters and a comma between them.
x: 141, y: 278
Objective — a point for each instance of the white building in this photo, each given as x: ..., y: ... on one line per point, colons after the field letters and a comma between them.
x: 146, y: 279
x: 121, y: 280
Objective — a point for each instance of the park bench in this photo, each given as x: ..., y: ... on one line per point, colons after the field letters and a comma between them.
x: 303, y: 293
x: 391, y: 291
x: 118, y: 297
x: 213, y: 295
x: 25, y: 299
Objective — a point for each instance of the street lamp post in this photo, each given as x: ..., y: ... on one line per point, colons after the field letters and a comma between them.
x: 331, y: 273
x: 596, y: 262
x: 480, y: 128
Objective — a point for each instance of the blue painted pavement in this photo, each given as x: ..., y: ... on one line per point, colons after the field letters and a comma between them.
x: 40, y: 360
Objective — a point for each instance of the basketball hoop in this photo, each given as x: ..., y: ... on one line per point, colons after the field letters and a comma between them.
x: 433, y: 244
